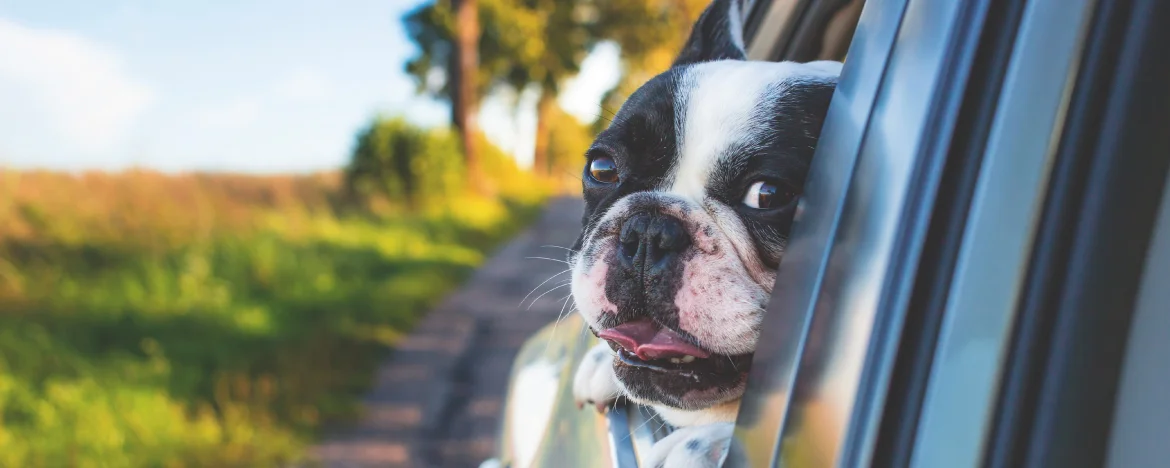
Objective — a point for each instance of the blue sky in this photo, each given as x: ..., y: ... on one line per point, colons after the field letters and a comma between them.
x: 254, y: 86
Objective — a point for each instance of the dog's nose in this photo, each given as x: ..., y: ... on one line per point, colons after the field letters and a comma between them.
x: 649, y: 242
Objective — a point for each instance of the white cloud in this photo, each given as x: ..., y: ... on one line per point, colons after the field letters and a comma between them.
x: 81, y: 85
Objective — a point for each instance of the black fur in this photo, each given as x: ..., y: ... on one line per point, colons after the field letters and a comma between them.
x: 711, y: 38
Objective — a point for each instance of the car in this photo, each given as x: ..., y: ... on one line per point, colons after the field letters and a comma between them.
x: 977, y: 271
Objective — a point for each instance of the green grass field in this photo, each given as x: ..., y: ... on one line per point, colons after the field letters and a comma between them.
x: 155, y: 320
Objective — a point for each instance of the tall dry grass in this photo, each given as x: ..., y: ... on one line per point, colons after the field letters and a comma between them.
x: 149, y: 319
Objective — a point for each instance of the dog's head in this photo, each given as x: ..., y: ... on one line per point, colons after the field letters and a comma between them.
x: 689, y: 196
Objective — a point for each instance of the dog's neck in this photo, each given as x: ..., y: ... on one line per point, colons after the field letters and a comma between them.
x: 725, y: 412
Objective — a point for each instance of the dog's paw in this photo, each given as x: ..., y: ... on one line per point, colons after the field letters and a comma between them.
x: 693, y: 447
x: 595, y: 383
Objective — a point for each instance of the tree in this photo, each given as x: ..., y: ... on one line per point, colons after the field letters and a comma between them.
x: 543, y: 42
x: 466, y: 100
x: 523, y: 43
x: 449, y: 33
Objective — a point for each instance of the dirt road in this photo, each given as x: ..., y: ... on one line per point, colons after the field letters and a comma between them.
x: 437, y: 399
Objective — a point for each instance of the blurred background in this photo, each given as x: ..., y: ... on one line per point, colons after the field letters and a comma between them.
x: 217, y: 218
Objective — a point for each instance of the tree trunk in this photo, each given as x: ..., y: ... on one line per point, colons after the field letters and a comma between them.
x: 464, y: 102
x: 544, y: 114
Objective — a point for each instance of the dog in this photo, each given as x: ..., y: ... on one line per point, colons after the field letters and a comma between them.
x: 689, y: 194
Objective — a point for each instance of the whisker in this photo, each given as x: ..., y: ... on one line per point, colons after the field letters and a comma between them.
x: 558, y: 247
x: 575, y: 175
x: 549, y: 259
x: 632, y: 431
x: 559, y: 286
x: 664, y: 423
x: 566, y: 306
x: 752, y: 304
x: 557, y: 323
x: 604, y: 117
x: 538, y: 287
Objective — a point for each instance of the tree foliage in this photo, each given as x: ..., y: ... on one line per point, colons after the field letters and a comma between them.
x: 522, y: 42
x: 650, y: 34
x: 541, y: 43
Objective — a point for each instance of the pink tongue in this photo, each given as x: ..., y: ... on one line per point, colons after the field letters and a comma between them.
x: 649, y: 341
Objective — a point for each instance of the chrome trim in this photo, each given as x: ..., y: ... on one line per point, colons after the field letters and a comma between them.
x: 646, y: 428
x: 764, y: 410
x: 621, y: 444
x: 960, y: 398
x: 777, y: 17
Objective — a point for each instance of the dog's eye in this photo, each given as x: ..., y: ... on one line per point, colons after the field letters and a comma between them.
x: 763, y: 195
x: 603, y: 169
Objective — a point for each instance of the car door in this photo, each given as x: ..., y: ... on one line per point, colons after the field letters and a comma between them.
x: 962, y: 278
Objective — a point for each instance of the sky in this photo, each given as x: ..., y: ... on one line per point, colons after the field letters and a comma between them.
x: 249, y: 86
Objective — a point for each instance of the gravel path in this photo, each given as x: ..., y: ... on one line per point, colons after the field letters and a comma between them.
x: 437, y: 399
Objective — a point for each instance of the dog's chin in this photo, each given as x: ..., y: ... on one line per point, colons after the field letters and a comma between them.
x: 695, y: 385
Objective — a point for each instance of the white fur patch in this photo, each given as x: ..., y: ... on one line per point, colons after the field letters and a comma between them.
x: 588, y: 285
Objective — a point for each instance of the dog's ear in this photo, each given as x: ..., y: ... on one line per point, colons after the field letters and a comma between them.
x: 717, y: 35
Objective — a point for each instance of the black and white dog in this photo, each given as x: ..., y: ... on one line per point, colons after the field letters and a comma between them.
x: 689, y: 196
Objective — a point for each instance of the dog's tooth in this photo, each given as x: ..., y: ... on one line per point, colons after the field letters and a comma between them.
x: 688, y: 359
x: 676, y: 360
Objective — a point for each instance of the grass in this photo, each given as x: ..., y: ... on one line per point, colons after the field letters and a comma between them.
x: 208, y: 320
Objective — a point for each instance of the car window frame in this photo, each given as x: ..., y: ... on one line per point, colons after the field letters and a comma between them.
x: 864, y: 370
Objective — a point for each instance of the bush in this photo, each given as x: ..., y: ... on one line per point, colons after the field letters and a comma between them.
x: 402, y: 166
x: 403, y: 163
